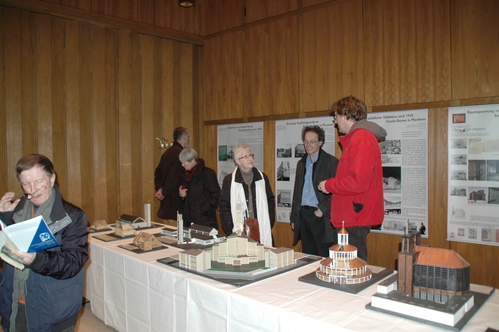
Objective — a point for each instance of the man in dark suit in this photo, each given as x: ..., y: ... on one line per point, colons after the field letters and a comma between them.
x: 310, y: 217
x: 168, y: 175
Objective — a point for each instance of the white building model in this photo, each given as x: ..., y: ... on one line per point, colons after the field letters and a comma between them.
x: 343, y: 266
x: 236, y: 251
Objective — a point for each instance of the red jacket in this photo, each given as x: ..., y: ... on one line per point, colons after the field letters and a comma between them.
x: 358, y: 186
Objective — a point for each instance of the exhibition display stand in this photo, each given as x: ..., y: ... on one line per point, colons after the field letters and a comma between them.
x: 134, y: 292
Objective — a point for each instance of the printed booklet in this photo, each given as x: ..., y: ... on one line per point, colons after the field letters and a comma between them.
x: 28, y: 236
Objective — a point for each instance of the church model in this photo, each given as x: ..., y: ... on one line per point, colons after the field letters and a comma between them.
x: 235, y: 252
x: 433, y: 284
x: 343, y: 266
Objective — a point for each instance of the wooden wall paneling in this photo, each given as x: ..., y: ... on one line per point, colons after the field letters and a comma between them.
x: 3, y: 123
x: 86, y: 130
x: 127, y: 9
x: 209, y: 144
x: 308, y: 3
x: 332, y: 63
x: 169, y: 14
x: 483, y: 262
x: 12, y: 69
x: 271, y: 68
x: 43, y: 86
x: 382, y: 249
x: 100, y: 6
x: 221, y: 15
x: 98, y: 126
x: 437, y: 178
x: 476, y: 34
x: 260, y: 9
x: 135, y: 125
x: 186, y: 93
x: 146, y: 11
x: 408, y: 51
x: 223, y: 76
x: 148, y: 142
x: 112, y: 126
x: 72, y: 186
x: 28, y: 112
x: 58, y: 100
x: 124, y: 98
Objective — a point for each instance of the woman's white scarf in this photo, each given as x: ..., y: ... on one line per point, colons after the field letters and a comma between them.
x: 262, y: 208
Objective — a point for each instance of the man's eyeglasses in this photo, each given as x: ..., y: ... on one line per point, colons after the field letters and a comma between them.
x: 252, y: 156
x: 310, y: 142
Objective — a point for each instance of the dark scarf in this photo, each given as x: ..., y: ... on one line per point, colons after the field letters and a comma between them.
x: 190, y: 173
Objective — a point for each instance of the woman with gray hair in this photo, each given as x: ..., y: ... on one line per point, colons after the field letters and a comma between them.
x: 251, y: 188
x: 199, y: 190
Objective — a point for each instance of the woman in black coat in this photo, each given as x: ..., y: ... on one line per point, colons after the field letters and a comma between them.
x: 199, y: 190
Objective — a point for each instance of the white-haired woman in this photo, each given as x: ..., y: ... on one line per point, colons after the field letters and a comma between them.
x: 199, y: 189
x: 253, y: 189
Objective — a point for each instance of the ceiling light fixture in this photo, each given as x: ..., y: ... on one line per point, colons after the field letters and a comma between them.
x: 186, y: 4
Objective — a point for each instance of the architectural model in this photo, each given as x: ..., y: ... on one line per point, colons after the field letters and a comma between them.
x: 146, y: 241
x: 124, y: 230
x: 99, y: 225
x: 199, y: 234
x: 133, y: 221
x: 235, y: 252
x: 433, y: 284
x: 343, y: 266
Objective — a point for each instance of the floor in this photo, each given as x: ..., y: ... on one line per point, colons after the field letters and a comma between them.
x: 88, y: 322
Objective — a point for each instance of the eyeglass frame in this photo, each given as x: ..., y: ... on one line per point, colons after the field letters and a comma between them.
x: 252, y: 155
x: 310, y: 142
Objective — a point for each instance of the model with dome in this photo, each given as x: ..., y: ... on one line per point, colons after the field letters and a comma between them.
x: 343, y: 266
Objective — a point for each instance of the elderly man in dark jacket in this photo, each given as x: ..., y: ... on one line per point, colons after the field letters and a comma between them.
x: 168, y: 174
x: 310, y: 211
x: 47, y: 295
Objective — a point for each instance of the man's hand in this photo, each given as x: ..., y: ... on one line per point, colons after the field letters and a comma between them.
x: 318, y: 213
x: 159, y: 194
x: 7, y: 203
x: 322, y: 187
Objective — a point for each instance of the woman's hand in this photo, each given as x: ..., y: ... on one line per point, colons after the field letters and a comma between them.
x: 182, y: 191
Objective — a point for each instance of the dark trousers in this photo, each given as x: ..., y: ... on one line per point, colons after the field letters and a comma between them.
x: 312, y: 233
x: 357, y: 237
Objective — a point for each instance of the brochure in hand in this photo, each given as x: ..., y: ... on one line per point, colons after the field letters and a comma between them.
x: 28, y: 236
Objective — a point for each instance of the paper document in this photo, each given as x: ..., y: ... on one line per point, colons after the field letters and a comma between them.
x: 31, y: 235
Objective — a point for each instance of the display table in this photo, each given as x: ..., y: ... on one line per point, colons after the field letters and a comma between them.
x: 133, y: 292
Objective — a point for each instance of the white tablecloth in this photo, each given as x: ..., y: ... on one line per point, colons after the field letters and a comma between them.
x: 133, y: 292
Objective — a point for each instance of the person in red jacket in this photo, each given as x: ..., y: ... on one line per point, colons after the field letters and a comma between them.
x: 357, y: 187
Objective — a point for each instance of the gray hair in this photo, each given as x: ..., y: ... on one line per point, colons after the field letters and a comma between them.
x: 240, y: 147
x: 188, y: 154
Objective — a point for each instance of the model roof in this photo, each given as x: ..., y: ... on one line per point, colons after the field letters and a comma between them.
x: 440, y: 257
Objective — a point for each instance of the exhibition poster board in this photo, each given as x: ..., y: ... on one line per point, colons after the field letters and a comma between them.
x: 290, y: 149
x: 231, y: 135
x: 404, y: 155
x: 473, y: 175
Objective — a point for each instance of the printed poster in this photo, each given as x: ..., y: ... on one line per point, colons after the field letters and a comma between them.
x: 404, y: 155
x: 473, y: 199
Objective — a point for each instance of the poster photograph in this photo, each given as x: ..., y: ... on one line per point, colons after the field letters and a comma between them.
x: 404, y: 155
x: 290, y: 149
x: 473, y: 162
x: 231, y: 135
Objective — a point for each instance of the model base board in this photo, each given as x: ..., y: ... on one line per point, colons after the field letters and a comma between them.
x: 452, y: 315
